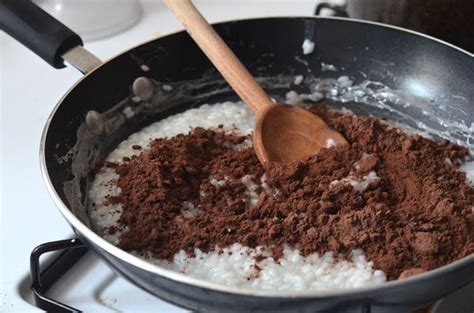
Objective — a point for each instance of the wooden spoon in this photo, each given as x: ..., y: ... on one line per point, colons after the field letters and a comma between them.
x: 282, y: 133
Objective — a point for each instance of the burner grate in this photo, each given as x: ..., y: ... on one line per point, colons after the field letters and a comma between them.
x: 71, y: 251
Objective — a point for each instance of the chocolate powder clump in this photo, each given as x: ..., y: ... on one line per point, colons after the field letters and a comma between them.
x: 391, y: 194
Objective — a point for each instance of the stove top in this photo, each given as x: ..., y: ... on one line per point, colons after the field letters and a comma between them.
x: 27, y: 214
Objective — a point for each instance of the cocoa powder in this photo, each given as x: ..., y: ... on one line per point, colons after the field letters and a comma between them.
x: 192, y: 191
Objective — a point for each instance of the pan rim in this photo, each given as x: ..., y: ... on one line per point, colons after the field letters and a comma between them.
x: 135, y: 261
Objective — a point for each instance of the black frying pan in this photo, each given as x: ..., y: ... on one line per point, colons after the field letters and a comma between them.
x: 269, y: 47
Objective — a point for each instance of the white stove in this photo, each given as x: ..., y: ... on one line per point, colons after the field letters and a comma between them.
x: 30, y: 88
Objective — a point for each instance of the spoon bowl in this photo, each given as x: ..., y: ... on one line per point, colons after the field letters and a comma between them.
x: 286, y: 133
x: 282, y: 133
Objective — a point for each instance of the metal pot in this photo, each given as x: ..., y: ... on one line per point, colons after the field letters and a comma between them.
x: 450, y: 20
x: 88, y: 123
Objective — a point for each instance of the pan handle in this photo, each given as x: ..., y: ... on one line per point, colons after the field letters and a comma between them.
x: 43, y: 34
x: 338, y: 10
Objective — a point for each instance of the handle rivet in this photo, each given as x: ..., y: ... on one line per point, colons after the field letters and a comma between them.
x: 143, y: 88
x: 95, y: 123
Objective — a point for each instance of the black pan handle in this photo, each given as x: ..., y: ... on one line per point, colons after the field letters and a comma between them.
x: 339, y: 10
x: 37, y: 30
x: 70, y: 251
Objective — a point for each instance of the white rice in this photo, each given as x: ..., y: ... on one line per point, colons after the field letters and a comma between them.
x: 167, y: 88
x: 298, y: 80
x: 345, y: 81
x: 330, y: 143
x: 236, y: 266
x: 325, y: 67
x: 292, y: 97
x: 359, y: 184
x: 468, y: 167
x: 292, y: 272
x: 307, y: 46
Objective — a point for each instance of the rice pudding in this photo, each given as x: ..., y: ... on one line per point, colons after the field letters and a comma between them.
x: 187, y: 193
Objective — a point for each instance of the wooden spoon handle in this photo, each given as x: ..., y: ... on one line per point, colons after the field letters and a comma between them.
x: 220, y: 55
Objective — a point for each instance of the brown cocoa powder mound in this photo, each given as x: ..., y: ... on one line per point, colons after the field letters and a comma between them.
x: 417, y: 216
